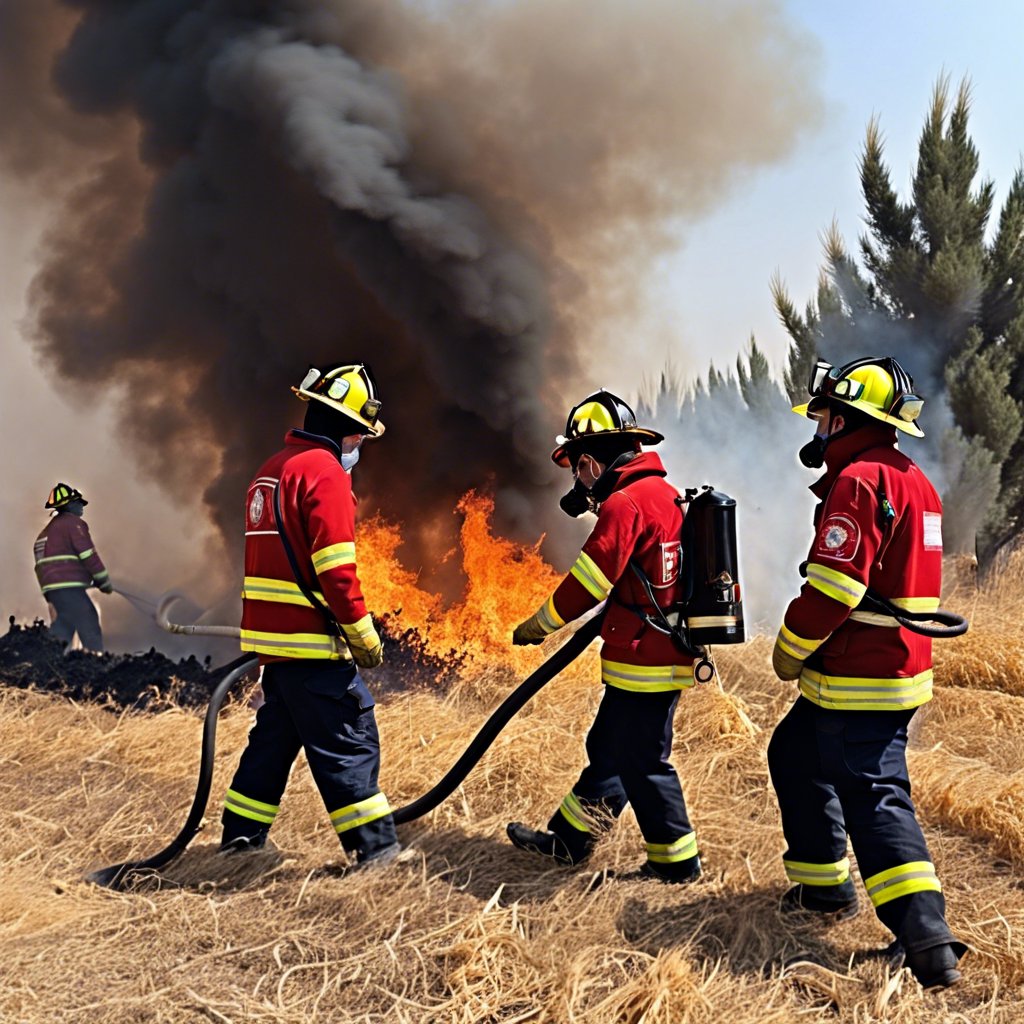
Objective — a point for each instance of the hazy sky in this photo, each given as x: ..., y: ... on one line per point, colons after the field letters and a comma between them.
x: 873, y: 58
x: 876, y: 57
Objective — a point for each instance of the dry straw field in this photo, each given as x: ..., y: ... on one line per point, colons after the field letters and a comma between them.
x: 463, y: 928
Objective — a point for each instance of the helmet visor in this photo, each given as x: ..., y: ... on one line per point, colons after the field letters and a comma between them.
x: 819, y: 374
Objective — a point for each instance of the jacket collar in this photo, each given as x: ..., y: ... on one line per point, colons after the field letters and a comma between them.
x: 298, y: 438
x: 645, y: 464
x: 849, y: 448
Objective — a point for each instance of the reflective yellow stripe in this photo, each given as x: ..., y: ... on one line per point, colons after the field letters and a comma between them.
x: 572, y: 810
x: 245, y: 806
x: 101, y: 575
x: 590, y: 577
x: 63, y: 586
x: 293, y: 645
x: 916, y: 604
x: 902, y: 880
x: 334, y: 555
x: 57, y: 558
x: 797, y: 646
x: 359, y: 631
x: 361, y: 813
x: 261, y: 588
x: 817, y: 874
x: 683, y: 848
x: 85, y: 554
x: 837, y: 585
x: 548, y: 616
x: 865, y: 694
x: 646, y: 678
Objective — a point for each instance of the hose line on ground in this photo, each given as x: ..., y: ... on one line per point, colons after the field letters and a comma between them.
x: 117, y: 875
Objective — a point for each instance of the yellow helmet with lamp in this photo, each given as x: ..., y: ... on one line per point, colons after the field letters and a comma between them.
x: 877, y: 386
x: 348, y: 388
x: 600, y: 414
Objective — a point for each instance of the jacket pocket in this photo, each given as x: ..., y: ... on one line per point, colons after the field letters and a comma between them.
x: 621, y: 626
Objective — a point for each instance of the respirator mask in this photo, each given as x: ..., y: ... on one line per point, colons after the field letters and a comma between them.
x: 588, y: 499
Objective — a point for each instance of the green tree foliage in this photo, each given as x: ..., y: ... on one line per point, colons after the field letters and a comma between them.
x: 935, y: 290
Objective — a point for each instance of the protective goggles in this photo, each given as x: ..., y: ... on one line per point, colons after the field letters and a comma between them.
x: 828, y: 381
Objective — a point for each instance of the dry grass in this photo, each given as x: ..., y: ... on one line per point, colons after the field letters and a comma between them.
x: 464, y: 928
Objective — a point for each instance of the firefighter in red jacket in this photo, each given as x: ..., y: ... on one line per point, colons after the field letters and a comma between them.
x: 310, y: 627
x: 67, y: 564
x: 838, y: 759
x: 630, y: 741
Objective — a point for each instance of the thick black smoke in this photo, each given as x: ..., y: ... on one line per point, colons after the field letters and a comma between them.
x: 258, y: 183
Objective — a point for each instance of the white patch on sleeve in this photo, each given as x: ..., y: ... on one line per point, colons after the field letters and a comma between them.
x: 932, y: 531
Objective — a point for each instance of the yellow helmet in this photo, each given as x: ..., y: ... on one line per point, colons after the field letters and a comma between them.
x: 599, y: 413
x: 348, y: 388
x: 63, y: 494
x: 879, y: 387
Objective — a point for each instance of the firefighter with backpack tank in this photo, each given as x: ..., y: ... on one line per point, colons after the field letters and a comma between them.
x: 67, y: 564
x: 304, y: 614
x: 838, y: 758
x: 639, y: 517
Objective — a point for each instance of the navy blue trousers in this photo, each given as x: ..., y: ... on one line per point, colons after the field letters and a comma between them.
x: 628, y: 750
x: 844, y: 773
x: 325, y: 709
x: 75, y: 614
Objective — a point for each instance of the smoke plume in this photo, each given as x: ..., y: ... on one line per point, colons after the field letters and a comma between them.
x: 464, y: 195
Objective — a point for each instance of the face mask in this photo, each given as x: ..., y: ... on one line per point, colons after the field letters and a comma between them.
x: 812, y: 455
x: 349, y: 459
x: 576, y: 501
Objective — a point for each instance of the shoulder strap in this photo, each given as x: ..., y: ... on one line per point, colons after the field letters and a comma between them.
x: 333, y: 626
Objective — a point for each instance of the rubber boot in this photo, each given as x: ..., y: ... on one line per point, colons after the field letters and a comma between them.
x: 680, y: 873
x: 243, y: 844
x: 935, y: 967
x: 546, y: 844
x: 837, y: 901
x: 377, y: 858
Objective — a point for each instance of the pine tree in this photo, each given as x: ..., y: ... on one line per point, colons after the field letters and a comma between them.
x: 932, y: 291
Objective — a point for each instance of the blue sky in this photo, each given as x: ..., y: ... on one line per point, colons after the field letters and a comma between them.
x: 874, y: 58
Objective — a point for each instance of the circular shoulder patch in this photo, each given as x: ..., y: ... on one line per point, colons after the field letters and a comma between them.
x: 838, y: 538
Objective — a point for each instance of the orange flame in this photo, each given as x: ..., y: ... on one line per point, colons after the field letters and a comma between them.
x: 505, y: 583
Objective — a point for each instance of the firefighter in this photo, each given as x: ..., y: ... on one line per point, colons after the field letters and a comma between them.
x: 303, y: 613
x: 630, y: 741
x: 838, y: 758
x: 67, y: 564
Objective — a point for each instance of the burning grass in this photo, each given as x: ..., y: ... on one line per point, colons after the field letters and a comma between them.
x: 463, y: 928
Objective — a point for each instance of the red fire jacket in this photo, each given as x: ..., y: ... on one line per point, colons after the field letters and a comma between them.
x: 65, y: 556
x: 318, y: 512
x: 879, y: 525
x: 639, y: 520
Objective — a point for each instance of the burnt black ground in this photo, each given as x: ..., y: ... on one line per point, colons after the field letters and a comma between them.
x: 30, y: 658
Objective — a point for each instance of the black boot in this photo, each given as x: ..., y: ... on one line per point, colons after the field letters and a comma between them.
x: 243, y: 844
x: 679, y: 873
x: 936, y: 967
x: 547, y: 844
x: 841, y: 905
x: 379, y: 857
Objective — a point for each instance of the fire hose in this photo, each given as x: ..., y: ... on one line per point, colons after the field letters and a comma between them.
x: 116, y: 875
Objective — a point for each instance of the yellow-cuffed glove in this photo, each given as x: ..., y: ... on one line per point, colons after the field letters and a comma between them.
x: 785, y: 665
x: 364, y: 643
x: 532, y: 631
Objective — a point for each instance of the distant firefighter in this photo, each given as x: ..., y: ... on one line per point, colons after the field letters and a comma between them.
x: 838, y: 759
x: 67, y: 564
x: 303, y: 613
x: 630, y: 742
